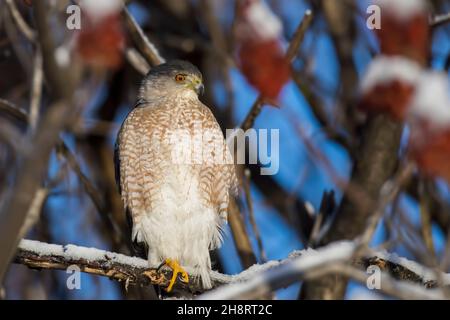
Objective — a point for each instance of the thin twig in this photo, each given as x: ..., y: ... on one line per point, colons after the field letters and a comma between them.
x: 425, y: 215
x: 254, y: 112
x: 440, y: 20
x: 148, y: 50
x: 36, y: 89
x: 62, y: 79
x: 91, y: 191
x: 327, y: 206
x: 388, y: 193
x: 14, y: 111
x: 240, y: 236
x: 359, y: 197
x: 248, y: 197
x: 298, y: 36
x: 34, y: 211
x: 220, y: 46
x: 317, y: 107
x: 137, y: 61
x: 24, y: 28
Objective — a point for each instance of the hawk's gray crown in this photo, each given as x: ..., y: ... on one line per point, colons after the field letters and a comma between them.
x: 171, y: 78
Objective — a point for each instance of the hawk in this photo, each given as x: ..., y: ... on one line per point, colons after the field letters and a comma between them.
x: 175, y: 172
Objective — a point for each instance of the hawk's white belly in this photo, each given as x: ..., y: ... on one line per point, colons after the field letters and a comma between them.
x: 179, y: 226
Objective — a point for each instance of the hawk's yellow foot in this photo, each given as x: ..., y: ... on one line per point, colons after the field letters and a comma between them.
x: 176, y: 270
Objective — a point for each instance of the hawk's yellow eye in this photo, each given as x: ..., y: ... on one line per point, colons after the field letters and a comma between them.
x: 180, y: 77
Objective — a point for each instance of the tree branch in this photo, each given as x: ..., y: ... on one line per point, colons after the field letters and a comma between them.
x: 24, y: 28
x: 440, y: 20
x: 13, y: 111
x: 148, y: 50
x: 254, y: 282
x: 298, y: 36
x: 240, y: 236
x: 131, y: 270
x: 400, y: 277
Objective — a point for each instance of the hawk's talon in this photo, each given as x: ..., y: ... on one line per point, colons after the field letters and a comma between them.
x: 176, y: 270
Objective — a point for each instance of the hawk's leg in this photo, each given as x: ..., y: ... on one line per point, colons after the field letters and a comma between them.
x: 176, y: 270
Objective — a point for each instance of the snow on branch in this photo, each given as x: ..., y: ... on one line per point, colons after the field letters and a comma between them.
x: 400, y: 277
x: 116, y: 266
x: 253, y: 282
x: 440, y: 20
x: 431, y: 100
x: 385, y: 69
x: 264, y: 281
x: 131, y: 270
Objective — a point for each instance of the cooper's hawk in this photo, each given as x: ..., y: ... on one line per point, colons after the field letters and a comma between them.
x: 175, y: 171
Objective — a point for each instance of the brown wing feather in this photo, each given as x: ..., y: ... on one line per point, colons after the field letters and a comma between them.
x: 220, y: 180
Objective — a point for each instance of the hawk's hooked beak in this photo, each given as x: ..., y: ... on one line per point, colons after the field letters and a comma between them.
x: 196, y: 84
x: 199, y: 88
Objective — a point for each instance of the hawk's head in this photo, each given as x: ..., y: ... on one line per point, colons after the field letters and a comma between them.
x: 175, y: 77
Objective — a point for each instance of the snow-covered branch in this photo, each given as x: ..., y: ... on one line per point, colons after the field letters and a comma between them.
x: 253, y: 282
x: 399, y: 276
x: 116, y: 266
x: 281, y: 274
x: 440, y: 20
x: 130, y: 270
